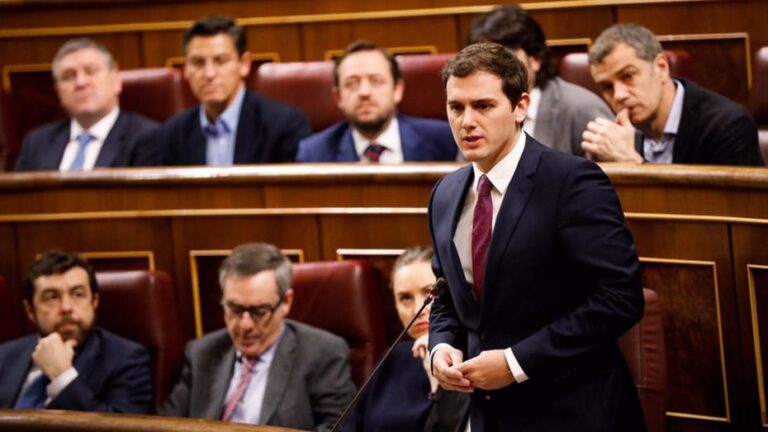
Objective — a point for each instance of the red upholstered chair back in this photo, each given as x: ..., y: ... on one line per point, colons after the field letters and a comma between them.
x: 141, y: 306
x: 346, y: 298
x: 157, y: 93
x: 645, y: 352
x: 424, y: 91
x: 574, y: 67
x: 758, y: 98
x: 10, y: 144
x: 305, y: 85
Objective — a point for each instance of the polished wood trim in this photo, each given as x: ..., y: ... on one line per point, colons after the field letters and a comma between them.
x: 342, y: 253
x: 58, y: 420
x: 149, y: 255
x: 194, y: 274
x: 13, y: 68
x: 756, y: 341
x: 333, y: 54
x: 721, y: 342
x: 322, y: 18
x: 587, y: 42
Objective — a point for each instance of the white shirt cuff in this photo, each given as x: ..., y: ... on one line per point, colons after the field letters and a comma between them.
x: 437, y: 347
x: 514, y: 366
x: 60, y: 383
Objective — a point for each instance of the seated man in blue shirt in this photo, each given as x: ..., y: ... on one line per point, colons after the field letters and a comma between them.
x: 367, y: 89
x: 232, y: 125
x: 71, y: 364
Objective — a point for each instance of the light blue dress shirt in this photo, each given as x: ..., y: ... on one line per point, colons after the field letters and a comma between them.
x: 220, y: 136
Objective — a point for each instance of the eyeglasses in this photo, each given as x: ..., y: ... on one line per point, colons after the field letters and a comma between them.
x: 260, y: 314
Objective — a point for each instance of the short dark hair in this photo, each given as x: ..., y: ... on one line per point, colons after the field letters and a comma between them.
x: 56, y: 262
x: 364, y: 45
x: 251, y: 258
x: 493, y: 59
x: 646, y: 46
x: 513, y: 27
x: 214, y: 25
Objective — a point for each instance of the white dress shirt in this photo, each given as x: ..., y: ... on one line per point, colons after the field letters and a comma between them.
x: 99, y: 131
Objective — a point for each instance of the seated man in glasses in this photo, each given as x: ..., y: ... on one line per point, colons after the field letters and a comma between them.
x: 263, y: 368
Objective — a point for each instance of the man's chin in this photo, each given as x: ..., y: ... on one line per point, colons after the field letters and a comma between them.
x: 372, y: 126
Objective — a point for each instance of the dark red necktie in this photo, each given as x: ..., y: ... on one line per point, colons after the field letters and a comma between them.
x: 482, y: 221
x: 373, y: 152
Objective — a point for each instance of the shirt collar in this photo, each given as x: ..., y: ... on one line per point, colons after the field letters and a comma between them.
x: 389, y: 138
x: 99, y: 130
x: 266, y: 356
x: 501, y: 173
x: 230, y: 117
x: 676, y: 112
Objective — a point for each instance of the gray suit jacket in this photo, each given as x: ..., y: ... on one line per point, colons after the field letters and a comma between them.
x: 564, y: 111
x: 308, y: 385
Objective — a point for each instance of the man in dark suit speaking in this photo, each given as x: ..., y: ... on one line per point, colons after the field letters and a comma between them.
x: 98, y: 133
x: 263, y: 368
x: 71, y: 364
x: 231, y: 125
x: 542, y: 273
x: 367, y: 89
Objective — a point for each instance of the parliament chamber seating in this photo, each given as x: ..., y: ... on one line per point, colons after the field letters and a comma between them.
x: 141, y: 305
x: 157, y: 93
x: 305, y: 85
x: 346, y: 298
x: 9, y: 143
x: 574, y: 67
x: 645, y: 352
x: 424, y: 90
x: 758, y: 98
x: 8, y: 312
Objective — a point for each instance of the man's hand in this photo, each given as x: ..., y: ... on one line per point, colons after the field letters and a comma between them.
x: 53, y: 355
x: 444, y: 365
x: 420, y: 350
x: 608, y: 141
x: 488, y: 371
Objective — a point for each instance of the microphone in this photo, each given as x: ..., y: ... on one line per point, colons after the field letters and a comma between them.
x: 438, y: 286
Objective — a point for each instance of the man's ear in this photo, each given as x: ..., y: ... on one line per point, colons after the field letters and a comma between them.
x: 661, y: 65
x: 399, y: 90
x: 95, y: 301
x: 336, y: 95
x: 30, y: 311
x: 287, y: 300
x: 245, y: 64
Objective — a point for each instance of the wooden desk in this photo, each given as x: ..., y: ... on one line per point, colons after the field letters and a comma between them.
x: 701, y: 234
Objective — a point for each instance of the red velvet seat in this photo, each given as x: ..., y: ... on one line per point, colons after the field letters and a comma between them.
x: 346, y: 298
x: 305, y: 85
x: 574, y: 67
x: 424, y: 90
x: 645, y: 352
x: 758, y: 98
x: 157, y: 93
x: 141, y: 305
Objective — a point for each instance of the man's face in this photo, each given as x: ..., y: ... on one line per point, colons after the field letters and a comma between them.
x: 367, y: 94
x: 87, y: 87
x: 484, y: 123
x: 252, y: 337
x: 214, y: 70
x: 533, y: 64
x: 627, y: 81
x: 63, y: 303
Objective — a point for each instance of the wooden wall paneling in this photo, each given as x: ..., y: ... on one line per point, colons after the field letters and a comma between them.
x: 378, y: 229
x: 283, y: 40
x: 160, y: 46
x: 14, y: 323
x: 751, y: 273
x: 222, y: 233
x: 373, y: 194
x: 688, y: 263
x: 322, y: 37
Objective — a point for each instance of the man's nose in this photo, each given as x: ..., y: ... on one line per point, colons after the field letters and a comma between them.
x: 468, y: 119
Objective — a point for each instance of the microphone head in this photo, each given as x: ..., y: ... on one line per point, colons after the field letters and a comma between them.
x: 439, y: 285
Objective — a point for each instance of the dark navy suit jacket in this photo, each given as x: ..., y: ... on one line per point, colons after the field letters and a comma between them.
x: 422, y: 140
x: 43, y: 147
x: 267, y: 132
x: 114, y: 374
x: 713, y: 130
x: 561, y: 285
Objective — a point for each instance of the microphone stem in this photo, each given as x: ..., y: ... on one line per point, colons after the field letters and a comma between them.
x: 386, y: 355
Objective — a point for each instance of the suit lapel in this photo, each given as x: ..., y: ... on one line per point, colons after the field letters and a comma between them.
x: 51, y: 159
x: 113, y: 144
x: 247, y: 145
x: 279, y: 372
x: 222, y: 368
x: 17, y: 367
x: 410, y: 141
x: 549, y: 109
x: 197, y: 143
x: 346, y: 152
x: 685, y: 129
x: 512, y: 206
